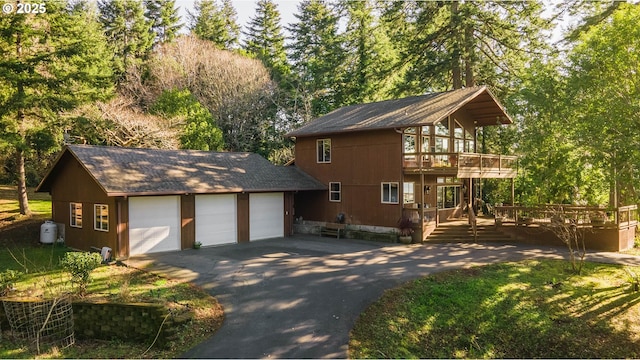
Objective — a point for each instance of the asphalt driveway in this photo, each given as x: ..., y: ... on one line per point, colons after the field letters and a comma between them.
x: 299, y: 297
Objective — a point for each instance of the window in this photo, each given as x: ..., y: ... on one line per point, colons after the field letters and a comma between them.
x: 426, y: 140
x: 408, y: 196
x: 324, y: 150
x: 101, y: 217
x: 448, y: 195
x: 75, y: 216
x: 442, y: 137
x: 458, y: 134
x: 335, y: 191
x: 470, y: 143
x: 390, y: 193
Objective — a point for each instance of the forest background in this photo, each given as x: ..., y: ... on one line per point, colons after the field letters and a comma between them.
x: 134, y: 73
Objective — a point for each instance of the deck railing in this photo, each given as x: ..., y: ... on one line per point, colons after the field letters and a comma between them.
x: 583, y: 216
x: 467, y: 164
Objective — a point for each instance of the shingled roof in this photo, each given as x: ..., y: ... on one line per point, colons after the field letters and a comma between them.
x: 411, y: 111
x: 131, y: 171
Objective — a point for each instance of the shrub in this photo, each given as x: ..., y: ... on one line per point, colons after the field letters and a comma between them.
x: 79, y: 265
x: 7, y: 280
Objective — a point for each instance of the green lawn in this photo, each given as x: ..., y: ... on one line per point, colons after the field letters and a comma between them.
x: 21, y: 250
x: 39, y: 203
x: 530, y: 309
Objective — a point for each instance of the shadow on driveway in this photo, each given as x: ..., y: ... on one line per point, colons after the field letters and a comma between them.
x: 299, y: 297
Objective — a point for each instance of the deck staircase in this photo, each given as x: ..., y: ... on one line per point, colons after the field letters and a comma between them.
x: 460, y: 231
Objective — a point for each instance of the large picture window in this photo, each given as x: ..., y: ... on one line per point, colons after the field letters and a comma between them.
x: 101, y: 212
x: 335, y: 191
x: 75, y: 215
x: 324, y: 150
x: 389, y: 193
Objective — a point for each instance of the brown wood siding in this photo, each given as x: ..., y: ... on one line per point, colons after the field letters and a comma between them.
x: 243, y: 217
x: 74, y: 184
x: 360, y: 161
x: 188, y: 221
x: 123, y: 228
x: 288, y: 213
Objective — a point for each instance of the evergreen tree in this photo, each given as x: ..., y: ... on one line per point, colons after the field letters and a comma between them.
x: 216, y: 23
x: 456, y: 44
x: 49, y: 62
x: 370, y: 59
x: 128, y: 32
x: 316, y: 55
x: 265, y: 39
x: 164, y: 18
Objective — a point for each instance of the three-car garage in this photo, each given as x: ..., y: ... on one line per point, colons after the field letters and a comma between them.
x: 155, y: 222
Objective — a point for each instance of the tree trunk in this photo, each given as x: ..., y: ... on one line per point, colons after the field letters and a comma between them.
x: 23, y: 200
x: 22, y: 183
x: 456, y: 54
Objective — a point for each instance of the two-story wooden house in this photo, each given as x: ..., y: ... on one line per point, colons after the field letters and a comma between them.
x: 416, y: 157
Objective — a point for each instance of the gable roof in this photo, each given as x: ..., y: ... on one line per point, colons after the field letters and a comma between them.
x: 131, y: 171
x: 411, y: 111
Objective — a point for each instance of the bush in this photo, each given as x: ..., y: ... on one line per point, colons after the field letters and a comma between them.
x: 79, y: 265
x: 7, y: 280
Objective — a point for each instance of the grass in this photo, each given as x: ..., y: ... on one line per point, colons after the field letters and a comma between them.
x: 39, y: 203
x: 530, y: 309
x: 114, y: 284
x: 20, y: 250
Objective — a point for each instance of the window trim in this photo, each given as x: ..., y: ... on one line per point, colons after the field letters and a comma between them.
x: 73, y: 219
x: 390, y: 185
x: 338, y: 192
x: 102, y: 220
x: 321, y: 145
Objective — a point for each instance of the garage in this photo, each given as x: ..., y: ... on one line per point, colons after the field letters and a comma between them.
x: 266, y: 215
x: 154, y: 224
x: 216, y: 219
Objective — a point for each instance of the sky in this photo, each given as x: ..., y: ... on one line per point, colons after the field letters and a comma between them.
x: 246, y: 10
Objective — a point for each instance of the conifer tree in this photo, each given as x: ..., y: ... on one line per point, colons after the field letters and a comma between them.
x: 370, y: 59
x: 216, y: 23
x: 455, y: 44
x: 164, y: 18
x: 316, y: 56
x: 265, y: 39
x: 128, y: 32
x: 49, y: 62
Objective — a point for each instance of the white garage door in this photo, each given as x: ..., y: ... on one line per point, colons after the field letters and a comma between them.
x: 216, y: 219
x: 266, y: 216
x: 154, y: 224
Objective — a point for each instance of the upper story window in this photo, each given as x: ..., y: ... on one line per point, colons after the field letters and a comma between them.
x: 442, y: 137
x: 389, y: 192
x: 324, y: 150
x: 101, y: 212
x: 458, y: 137
x: 335, y: 191
x: 426, y: 138
x: 409, y: 139
x: 75, y: 215
x: 469, y: 142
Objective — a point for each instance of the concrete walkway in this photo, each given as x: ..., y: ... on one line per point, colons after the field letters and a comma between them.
x: 299, y: 297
